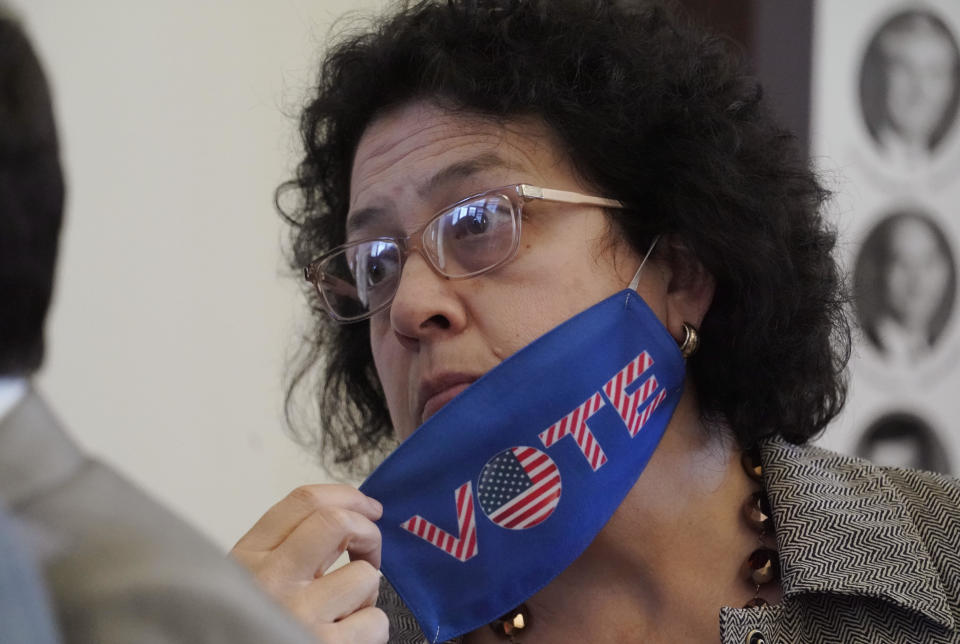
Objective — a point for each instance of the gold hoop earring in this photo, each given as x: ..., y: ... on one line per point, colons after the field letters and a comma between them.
x: 690, y: 342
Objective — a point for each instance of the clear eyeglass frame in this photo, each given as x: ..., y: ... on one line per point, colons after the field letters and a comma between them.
x: 333, y: 289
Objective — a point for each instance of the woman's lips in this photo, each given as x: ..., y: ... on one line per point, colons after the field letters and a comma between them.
x: 441, y: 398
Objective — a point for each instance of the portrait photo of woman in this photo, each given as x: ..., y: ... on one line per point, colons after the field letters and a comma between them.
x: 902, y: 439
x: 904, y: 286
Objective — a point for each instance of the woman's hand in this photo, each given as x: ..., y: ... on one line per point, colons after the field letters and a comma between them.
x: 291, y: 547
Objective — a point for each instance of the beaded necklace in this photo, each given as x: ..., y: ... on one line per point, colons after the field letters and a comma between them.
x: 762, y: 567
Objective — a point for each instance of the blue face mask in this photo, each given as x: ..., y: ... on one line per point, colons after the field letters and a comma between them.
x: 506, y: 485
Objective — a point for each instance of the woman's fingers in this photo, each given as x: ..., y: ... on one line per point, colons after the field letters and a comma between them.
x: 280, y: 520
x: 316, y: 543
x: 299, y: 538
x: 366, y: 626
x: 341, y: 593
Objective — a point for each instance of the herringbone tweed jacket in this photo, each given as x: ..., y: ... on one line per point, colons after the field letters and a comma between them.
x: 868, y: 555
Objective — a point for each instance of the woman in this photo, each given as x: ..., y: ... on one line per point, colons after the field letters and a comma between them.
x: 654, y: 151
x: 905, y: 283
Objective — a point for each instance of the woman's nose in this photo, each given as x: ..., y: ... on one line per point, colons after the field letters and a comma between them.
x: 425, y: 303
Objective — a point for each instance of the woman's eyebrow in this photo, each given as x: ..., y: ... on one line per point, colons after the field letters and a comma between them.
x: 361, y: 219
x: 367, y: 217
x: 462, y: 170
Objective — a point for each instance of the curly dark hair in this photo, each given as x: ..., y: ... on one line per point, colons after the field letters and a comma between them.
x: 655, y: 113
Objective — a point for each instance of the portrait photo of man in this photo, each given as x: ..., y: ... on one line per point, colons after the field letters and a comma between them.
x: 910, y: 86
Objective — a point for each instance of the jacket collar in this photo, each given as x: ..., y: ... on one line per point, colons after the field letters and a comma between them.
x: 842, y: 527
x: 12, y: 390
x: 35, y: 454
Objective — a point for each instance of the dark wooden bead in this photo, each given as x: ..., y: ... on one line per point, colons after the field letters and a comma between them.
x: 756, y: 602
x: 750, y: 459
x: 755, y: 637
x: 762, y: 566
x: 757, y: 513
x: 516, y: 621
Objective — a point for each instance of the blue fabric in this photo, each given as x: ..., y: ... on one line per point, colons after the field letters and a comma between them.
x: 25, y: 614
x: 454, y: 547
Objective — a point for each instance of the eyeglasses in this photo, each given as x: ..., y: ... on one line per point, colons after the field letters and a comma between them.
x: 469, y: 238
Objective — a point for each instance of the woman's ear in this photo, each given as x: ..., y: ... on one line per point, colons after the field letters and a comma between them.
x: 690, y: 289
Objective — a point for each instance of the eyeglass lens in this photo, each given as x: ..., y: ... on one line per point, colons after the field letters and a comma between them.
x: 465, y: 240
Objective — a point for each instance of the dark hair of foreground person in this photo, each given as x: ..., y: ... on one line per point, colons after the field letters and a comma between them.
x: 32, y: 194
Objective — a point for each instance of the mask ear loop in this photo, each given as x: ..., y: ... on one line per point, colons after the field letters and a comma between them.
x: 636, y: 277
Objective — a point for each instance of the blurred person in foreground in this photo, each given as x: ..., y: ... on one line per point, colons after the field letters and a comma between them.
x: 507, y: 211
x: 118, y: 567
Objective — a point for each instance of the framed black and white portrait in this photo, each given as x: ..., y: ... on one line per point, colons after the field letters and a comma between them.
x: 903, y: 439
x: 910, y: 86
x: 904, y: 286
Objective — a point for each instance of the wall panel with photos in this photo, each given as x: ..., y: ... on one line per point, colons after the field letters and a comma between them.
x: 886, y: 138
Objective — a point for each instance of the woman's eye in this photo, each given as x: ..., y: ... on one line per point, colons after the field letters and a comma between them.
x: 478, y: 218
x: 477, y: 223
x: 470, y: 220
x: 379, y: 263
x: 375, y: 270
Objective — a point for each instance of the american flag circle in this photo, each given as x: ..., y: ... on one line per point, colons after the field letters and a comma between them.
x: 519, y: 488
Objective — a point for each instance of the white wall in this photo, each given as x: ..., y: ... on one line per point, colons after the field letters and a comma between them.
x: 173, y: 310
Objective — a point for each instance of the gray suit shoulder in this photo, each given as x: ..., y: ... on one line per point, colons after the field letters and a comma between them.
x: 122, y: 568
